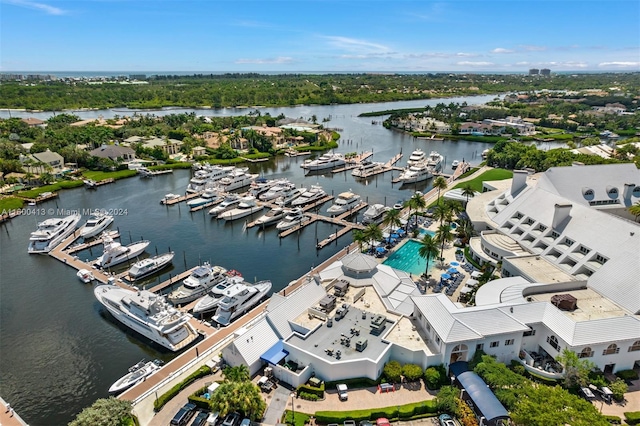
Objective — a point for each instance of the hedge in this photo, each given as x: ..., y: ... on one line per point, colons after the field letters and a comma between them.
x: 167, y: 396
x: 632, y: 417
x: 65, y: 184
x: 358, y: 382
x: 627, y: 375
x: 407, y: 411
x: 614, y: 420
x: 317, y: 391
x: 167, y: 166
x: 200, y: 401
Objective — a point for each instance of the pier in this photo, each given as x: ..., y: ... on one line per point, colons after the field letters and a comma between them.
x: 96, y: 241
x: 41, y: 198
x: 92, y: 184
x: 353, y: 162
x: 186, y: 197
x: 337, y: 220
x: 163, y: 285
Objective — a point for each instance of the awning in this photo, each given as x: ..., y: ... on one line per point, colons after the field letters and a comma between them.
x: 471, y: 282
x: 275, y: 353
x: 476, y: 274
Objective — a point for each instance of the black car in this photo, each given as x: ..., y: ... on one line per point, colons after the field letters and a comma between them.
x: 201, y: 419
x: 232, y: 419
x: 183, y: 416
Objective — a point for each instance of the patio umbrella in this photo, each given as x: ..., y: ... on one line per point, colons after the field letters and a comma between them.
x: 395, y: 236
x: 385, y: 235
x: 452, y: 270
x: 381, y: 249
x: 445, y: 276
x: 400, y: 231
x: 454, y: 263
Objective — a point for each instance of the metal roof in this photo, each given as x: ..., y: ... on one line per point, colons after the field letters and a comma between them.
x: 482, y: 397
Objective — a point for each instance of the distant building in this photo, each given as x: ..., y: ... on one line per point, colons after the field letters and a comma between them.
x: 137, y: 76
x: 198, y: 151
x: 115, y: 153
x: 34, y: 122
x: 534, y: 71
x: 545, y: 72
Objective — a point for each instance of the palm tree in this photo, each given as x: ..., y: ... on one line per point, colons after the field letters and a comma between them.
x: 392, y: 219
x: 443, y: 213
x: 428, y: 249
x: 635, y: 210
x: 443, y: 236
x: 359, y: 237
x: 372, y: 233
x: 236, y: 374
x: 465, y: 230
x: 418, y: 203
x: 440, y: 183
x: 468, y: 191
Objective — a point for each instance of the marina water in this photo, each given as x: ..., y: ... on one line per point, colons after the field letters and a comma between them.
x: 60, y: 351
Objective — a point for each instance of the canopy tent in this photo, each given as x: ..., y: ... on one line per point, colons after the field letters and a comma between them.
x: 471, y: 282
x: 465, y: 290
x: 452, y: 271
x: 275, y: 353
x: 445, y: 276
x: 476, y: 274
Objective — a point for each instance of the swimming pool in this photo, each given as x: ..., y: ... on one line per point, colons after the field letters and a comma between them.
x: 426, y: 231
x: 407, y: 259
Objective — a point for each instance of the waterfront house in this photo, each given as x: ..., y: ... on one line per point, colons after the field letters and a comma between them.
x: 116, y: 153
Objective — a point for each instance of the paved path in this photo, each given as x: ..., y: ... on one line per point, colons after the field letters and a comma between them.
x: 278, y: 401
x: 9, y: 417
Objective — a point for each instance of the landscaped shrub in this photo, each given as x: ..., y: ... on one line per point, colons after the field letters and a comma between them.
x: 408, y: 411
x: 614, y: 420
x: 627, y: 375
x: 517, y: 368
x: 166, y: 397
x: 392, y: 371
x: 432, y: 378
x: 317, y: 391
x: 632, y: 417
x: 619, y: 388
x: 412, y: 372
x: 308, y: 396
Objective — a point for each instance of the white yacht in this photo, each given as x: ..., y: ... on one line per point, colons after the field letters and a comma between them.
x: 293, y: 217
x: 150, y: 265
x: 85, y: 275
x: 374, y: 214
x: 289, y: 196
x: 239, y: 299
x: 277, y: 190
x: 209, y: 196
x: 148, y: 314
x: 115, y: 253
x: 272, y: 216
x: 198, y: 283
x: 435, y: 160
x: 367, y: 169
x: 311, y: 196
x: 246, y: 207
x: 236, y: 180
x: 97, y: 223
x: 344, y: 202
x: 455, y: 164
x: 136, y: 374
x: 261, y: 185
x: 416, y: 156
x: 485, y: 153
x: 229, y: 202
x: 169, y: 197
x: 51, y: 232
x: 210, y: 302
x: 325, y: 161
x: 415, y: 173
x: 206, y: 176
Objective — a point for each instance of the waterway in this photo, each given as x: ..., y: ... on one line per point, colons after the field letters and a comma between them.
x: 60, y: 351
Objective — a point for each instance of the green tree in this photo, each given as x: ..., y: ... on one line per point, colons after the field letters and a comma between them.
x: 576, y: 370
x: 440, y: 183
x: 428, y: 250
x: 443, y: 213
x: 242, y: 396
x: 468, y: 191
x: 104, y: 412
x: 635, y: 210
x: 443, y: 236
x: 412, y: 372
x: 447, y: 399
x: 392, y: 371
x: 392, y: 219
x: 236, y: 374
x: 359, y: 237
x: 373, y: 233
x: 619, y: 388
x: 417, y: 203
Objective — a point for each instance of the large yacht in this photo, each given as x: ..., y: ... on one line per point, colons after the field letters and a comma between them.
x: 198, y: 283
x: 367, y: 169
x: 239, y: 299
x: 293, y: 217
x: 277, y: 190
x: 229, y: 202
x: 208, y: 175
x: 325, y: 161
x: 115, y: 253
x: 148, y: 314
x: 272, y: 216
x: 435, y: 160
x: 261, y: 185
x: 209, y: 196
x: 246, y: 207
x: 290, y: 195
x: 310, y: 196
x: 236, y: 180
x: 51, y: 232
x: 344, y: 202
x: 97, y: 223
x: 416, y: 173
x: 416, y: 157
x: 374, y: 214
x: 210, y: 301
x: 150, y: 265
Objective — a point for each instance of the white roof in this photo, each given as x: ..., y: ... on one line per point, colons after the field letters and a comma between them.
x: 283, y: 310
x: 253, y: 342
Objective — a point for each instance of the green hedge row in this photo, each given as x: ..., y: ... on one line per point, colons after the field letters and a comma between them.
x: 177, y: 165
x: 64, y: 184
x: 358, y: 382
x: 614, y: 420
x: 627, y: 375
x: 166, y: 397
x: 317, y: 391
x: 199, y: 400
x: 405, y: 412
x: 632, y: 417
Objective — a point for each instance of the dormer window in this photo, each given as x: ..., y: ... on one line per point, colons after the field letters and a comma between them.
x: 588, y: 193
x: 612, y: 191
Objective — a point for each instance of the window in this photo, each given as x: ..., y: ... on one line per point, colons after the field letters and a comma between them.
x: 583, y: 249
x: 542, y: 228
x: 509, y: 342
x: 480, y: 347
x: 611, y: 349
x: 568, y: 242
x: 428, y: 327
x: 554, y: 235
x: 588, y: 193
x: 518, y: 215
x: 586, y: 353
x: 636, y: 191
x: 553, y: 341
x: 494, y: 344
x: 531, y: 332
x: 613, y: 192
x: 601, y: 259
x: 636, y: 344
x: 530, y: 221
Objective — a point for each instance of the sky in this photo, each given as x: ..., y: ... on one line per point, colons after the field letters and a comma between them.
x: 320, y: 35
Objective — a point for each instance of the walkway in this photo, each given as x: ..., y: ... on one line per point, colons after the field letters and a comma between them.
x: 9, y: 418
x: 277, y: 402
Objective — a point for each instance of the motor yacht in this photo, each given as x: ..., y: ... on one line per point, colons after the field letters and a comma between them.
x: 208, y: 175
x: 325, y: 161
x: 367, y: 169
x: 236, y: 180
x: 271, y: 217
x: 209, y: 196
x: 312, y: 195
x: 229, y: 202
x: 210, y: 301
x: 239, y: 299
x: 278, y: 190
x: 485, y: 153
x: 148, y: 266
x: 345, y: 201
x: 198, y: 283
x: 136, y: 374
x: 455, y: 164
x: 416, y: 157
x: 415, y: 173
x: 374, y: 214
x: 51, y: 232
x: 97, y: 223
x: 115, y: 253
x: 289, y: 196
x: 246, y: 207
x: 169, y: 197
x: 434, y: 161
x: 148, y: 314
x: 292, y: 218
x: 261, y: 185
x: 85, y: 275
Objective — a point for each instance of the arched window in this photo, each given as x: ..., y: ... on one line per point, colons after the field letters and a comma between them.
x: 586, y: 353
x: 611, y: 349
x: 553, y: 341
x: 635, y: 346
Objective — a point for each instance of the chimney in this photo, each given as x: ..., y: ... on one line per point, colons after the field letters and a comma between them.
x: 560, y: 214
x: 627, y: 191
x: 519, y: 181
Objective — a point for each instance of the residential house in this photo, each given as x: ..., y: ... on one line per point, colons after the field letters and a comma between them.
x: 34, y: 122
x: 116, y: 153
x: 49, y: 158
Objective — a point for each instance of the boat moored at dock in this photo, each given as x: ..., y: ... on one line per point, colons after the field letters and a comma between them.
x: 198, y: 283
x: 136, y: 374
x: 325, y: 161
x: 115, y: 253
x: 239, y: 299
x: 97, y: 223
x: 344, y: 202
x: 246, y: 207
x: 85, y: 275
x: 51, y: 232
x: 148, y: 266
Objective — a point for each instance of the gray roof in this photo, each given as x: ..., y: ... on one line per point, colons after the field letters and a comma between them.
x: 48, y: 157
x: 253, y: 342
x: 112, y: 151
x: 281, y: 311
x: 618, y: 278
x: 358, y: 263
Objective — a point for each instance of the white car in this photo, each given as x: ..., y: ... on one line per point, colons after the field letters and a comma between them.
x: 342, y: 391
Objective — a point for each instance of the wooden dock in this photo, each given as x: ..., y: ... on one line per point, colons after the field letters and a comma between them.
x: 337, y: 220
x: 387, y: 167
x: 204, y: 206
x: 353, y: 162
x: 185, y: 197
x: 96, y: 241
x: 172, y: 280
x: 41, y: 198
x: 306, y: 208
x: 4, y: 217
x: 255, y: 160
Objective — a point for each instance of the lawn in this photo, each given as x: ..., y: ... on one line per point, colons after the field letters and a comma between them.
x: 98, y: 175
x: 10, y: 203
x: 494, y: 174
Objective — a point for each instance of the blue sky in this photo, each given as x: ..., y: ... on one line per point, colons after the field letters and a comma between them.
x: 304, y: 35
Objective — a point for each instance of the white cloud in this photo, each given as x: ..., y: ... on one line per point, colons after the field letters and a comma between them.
x: 501, y: 50
x: 620, y: 64
x: 533, y: 48
x: 49, y: 10
x: 278, y: 60
x: 475, y: 64
x: 356, y: 45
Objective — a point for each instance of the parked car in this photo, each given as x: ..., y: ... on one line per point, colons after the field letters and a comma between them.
x: 245, y: 422
x: 232, y: 419
x: 365, y: 423
x: 342, y: 391
x: 382, y: 421
x: 183, y: 415
x: 446, y: 420
x: 213, y: 419
x: 349, y: 423
x: 201, y: 419
x: 587, y: 393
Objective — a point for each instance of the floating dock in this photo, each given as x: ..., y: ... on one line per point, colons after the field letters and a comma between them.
x: 337, y: 220
x: 172, y: 280
x: 185, y: 197
x: 96, y: 241
x: 41, y: 198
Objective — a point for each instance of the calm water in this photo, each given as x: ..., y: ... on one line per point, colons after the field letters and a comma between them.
x: 60, y: 351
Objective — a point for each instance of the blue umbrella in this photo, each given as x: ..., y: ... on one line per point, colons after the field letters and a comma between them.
x: 454, y: 263
x: 400, y: 231
x: 452, y: 270
x: 381, y: 249
x: 395, y: 236
x: 445, y: 276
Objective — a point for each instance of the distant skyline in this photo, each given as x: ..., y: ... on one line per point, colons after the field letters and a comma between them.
x: 305, y: 35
